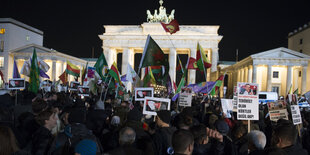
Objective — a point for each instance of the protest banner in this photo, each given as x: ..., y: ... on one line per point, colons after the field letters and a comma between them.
x: 16, y: 83
x: 83, y: 90
x: 74, y: 85
x: 296, y: 117
x: 247, y: 108
x: 153, y: 104
x: 185, y: 98
x: 141, y: 93
x: 227, y: 107
x: 277, y: 110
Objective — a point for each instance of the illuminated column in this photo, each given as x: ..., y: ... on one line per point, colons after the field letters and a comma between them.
x: 269, y: 74
x: 61, y: 67
x: 215, y: 56
x: 254, y: 73
x: 192, y: 73
x: 304, y: 80
x: 128, y: 58
x: 288, y: 78
x: 249, y: 74
x: 53, y: 71
x: 172, y: 63
x: 110, y: 55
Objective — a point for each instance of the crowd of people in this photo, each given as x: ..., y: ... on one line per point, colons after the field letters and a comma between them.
x: 64, y: 123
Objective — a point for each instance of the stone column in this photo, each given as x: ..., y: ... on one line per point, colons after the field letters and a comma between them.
x: 249, y: 75
x: 269, y: 79
x: 215, y: 56
x: 254, y: 73
x: 61, y: 67
x: 172, y: 63
x: 192, y: 73
x: 126, y: 56
x: 53, y: 70
x: 110, y: 53
x: 288, y: 78
x: 304, y: 80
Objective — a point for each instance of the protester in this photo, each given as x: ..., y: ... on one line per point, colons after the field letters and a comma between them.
x: 257, y: 142
x: 182, y: 142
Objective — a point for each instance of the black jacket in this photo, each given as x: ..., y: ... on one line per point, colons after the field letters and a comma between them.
x: 78, y: 133
x: 162, y: 139
x: 41, y: 141
x: 295, y: 150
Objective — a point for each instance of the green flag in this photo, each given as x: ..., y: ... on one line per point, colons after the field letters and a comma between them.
x: 149, y: 79
x: 217, y: 85
x: 34, y: 82
x: 101, y: 66
x: 153, y: 55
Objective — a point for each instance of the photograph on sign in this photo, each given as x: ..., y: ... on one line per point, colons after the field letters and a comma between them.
x: 141, y: 93
x: 186, y: 90
x: 247, y: 101
x: 153, y: 104
x: 74, y: 85
x: 277, y: 110
x: 83, y: 90
x: 16, y: 83
x: 247, y: 89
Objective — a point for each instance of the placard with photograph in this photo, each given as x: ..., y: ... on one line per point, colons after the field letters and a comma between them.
x: 247, y: 101
x: 153, y: 104
x: 83, y: 90
x: 74, y: 85
x: 16, y: 83
x: 277, y: 110
x: 141, y: 93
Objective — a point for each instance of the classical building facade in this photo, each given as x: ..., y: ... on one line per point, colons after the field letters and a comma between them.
x: 130, y: 39
x: 299, y: 39
x: 18, y: 42
x: 274, y: 70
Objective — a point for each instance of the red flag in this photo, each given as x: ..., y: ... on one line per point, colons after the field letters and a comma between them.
x: 174, y: 86
x: 171, y: 27
x: 1, y: 74
x: 192, y: 64
x: 64, y: 77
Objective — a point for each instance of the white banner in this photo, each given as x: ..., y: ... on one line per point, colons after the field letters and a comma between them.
x: 185, y: 99
x: 247, y: 108
x: 277, y: 110
x: 296, y: 114
x: 227, y: 107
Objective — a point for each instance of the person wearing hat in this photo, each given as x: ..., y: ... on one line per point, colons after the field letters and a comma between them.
x: 162, y: 136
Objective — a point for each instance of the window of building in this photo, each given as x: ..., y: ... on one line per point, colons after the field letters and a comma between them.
x: 299, y: 74
x: 27, y: 38
x: 1, y: 46
x: 275, y: 74
x: 1, y: 62
x: 300, y: 41
x: 300, y: 51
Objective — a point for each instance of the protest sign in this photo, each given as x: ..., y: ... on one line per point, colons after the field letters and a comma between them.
x: 74, y: 85
x: 227, y: 107
x: 277, y: 110
x: 153, y: 104
x: 296, y: 117
x: 185, y: 98
x: 16, y: 83
x: 141, y: 93
x: 83, y: 90
x: 247, y: 108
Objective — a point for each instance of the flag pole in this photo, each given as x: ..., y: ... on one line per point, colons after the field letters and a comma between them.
x: 105, y: 94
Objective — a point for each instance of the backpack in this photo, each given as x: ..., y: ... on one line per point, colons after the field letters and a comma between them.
x: 73, y: 140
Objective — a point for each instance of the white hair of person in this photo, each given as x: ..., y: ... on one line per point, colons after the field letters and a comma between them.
x: 258, y: 139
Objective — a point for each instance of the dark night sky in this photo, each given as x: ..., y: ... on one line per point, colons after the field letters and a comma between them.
x: 73, y: 27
